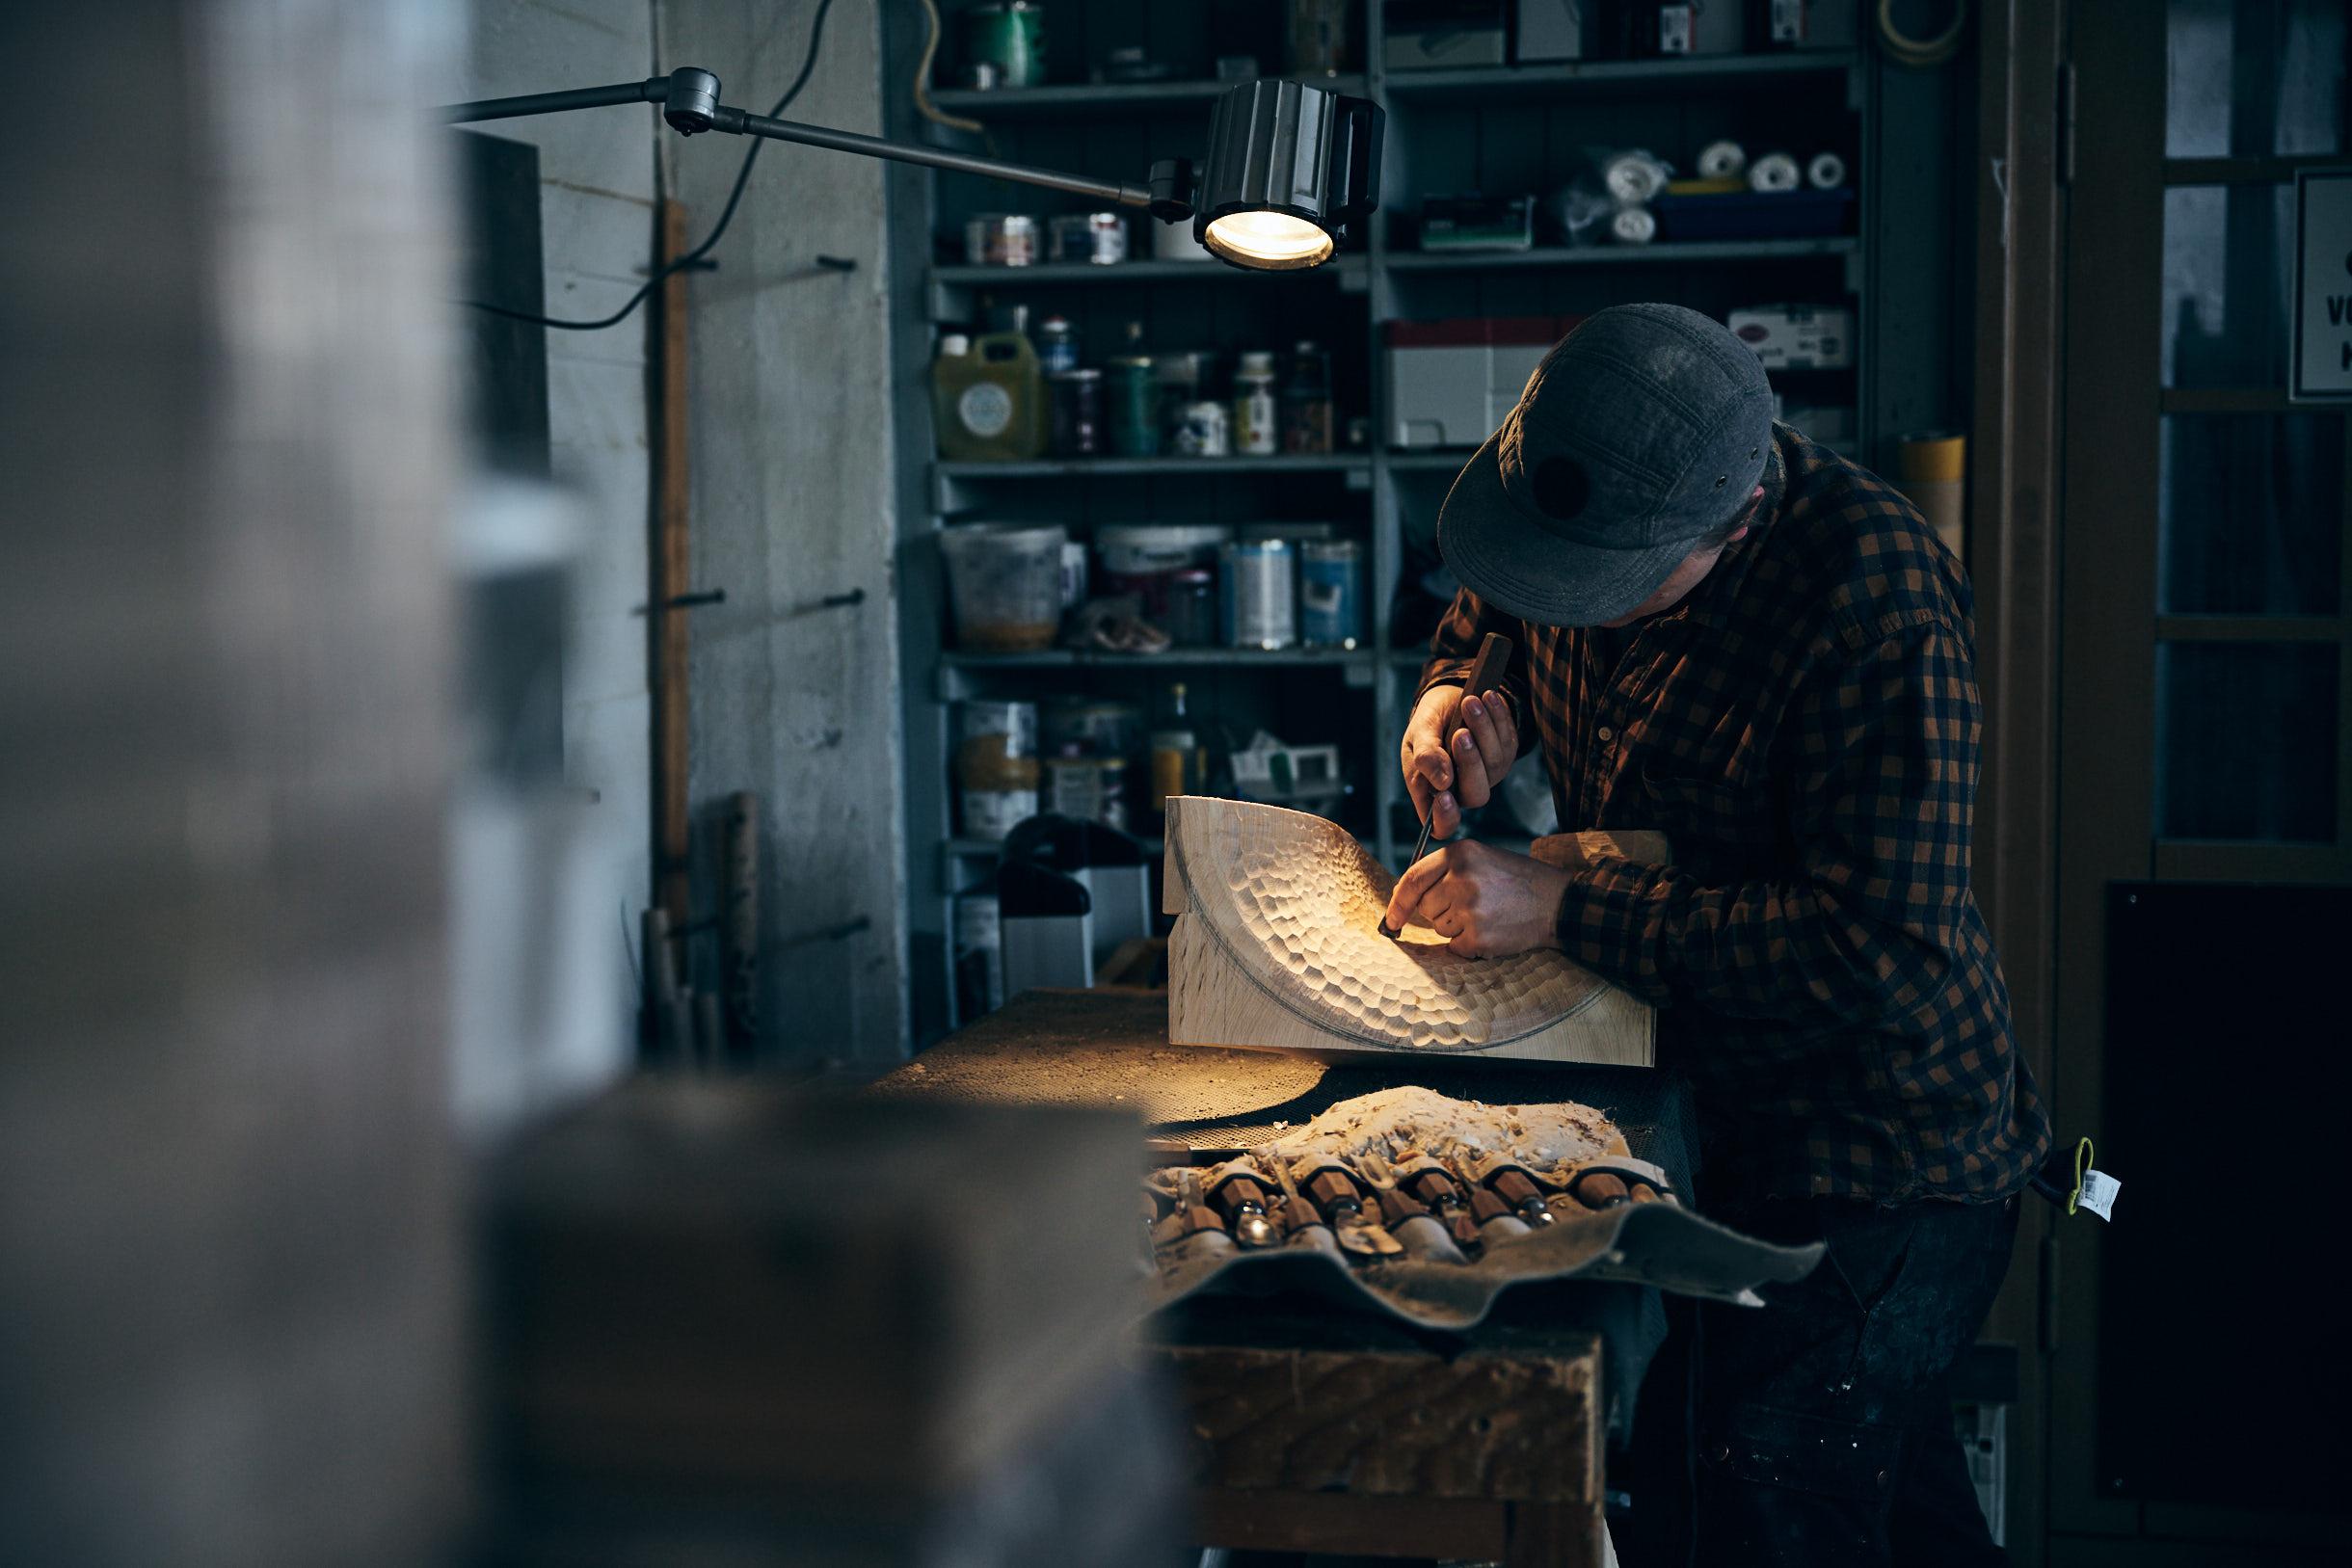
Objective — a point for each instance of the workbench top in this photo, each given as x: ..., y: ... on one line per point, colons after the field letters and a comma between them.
x: 1110, y: 1047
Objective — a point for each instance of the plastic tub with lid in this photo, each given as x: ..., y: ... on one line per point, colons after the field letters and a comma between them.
x: 1144, y: 559
x: 1004, y: 582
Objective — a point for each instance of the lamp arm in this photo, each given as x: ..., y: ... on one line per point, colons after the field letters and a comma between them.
x: 915, y: 153
x: 652, y: 89
x: 689, y: 96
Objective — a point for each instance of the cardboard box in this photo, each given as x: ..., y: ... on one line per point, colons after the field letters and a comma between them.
x: 1797, y: 337
x: 1450, y: 383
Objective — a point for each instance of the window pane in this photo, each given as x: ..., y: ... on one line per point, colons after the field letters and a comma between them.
x: 2249, y: 514
x: 2229, y: 254
x: 2249, y: 78
x: 2246, y: 741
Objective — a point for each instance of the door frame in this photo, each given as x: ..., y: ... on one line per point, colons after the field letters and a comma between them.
x: 2014, y: 539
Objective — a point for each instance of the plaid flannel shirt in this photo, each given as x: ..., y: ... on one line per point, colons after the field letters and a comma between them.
x: 1804, y: 727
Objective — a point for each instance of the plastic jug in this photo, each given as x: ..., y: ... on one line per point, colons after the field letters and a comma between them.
x: 988, y: 399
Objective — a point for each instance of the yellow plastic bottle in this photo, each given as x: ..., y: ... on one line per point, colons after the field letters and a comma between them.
x: 988, y: 398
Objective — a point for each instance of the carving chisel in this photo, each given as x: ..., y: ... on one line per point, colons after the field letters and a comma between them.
x: 1486, y: 675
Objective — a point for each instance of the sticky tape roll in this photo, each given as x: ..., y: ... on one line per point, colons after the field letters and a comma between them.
x: 1826, y: 172
x: 1634, y: 177
x: 1632, y: 226
x: 1774, y: 171
x: 1723, y: 160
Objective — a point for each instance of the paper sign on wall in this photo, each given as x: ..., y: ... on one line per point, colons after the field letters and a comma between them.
x: 2321, y: 352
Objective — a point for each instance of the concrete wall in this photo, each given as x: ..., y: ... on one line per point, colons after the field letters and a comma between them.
x: 793, y: 501
x: 596, y: 175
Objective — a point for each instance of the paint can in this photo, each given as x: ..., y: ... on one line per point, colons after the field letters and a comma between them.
x: 1004, y: 46
x: 1260, y: 584
x: 1087, y: 789
x: 1096, y: 238
x: 1000, y: 239
x: 1331, y: 593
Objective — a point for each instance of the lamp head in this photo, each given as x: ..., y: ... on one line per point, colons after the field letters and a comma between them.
x: 1289, y: 167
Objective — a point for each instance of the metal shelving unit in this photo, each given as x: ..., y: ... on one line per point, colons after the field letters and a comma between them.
x: 1438, y: 113
x: 1664, y: 254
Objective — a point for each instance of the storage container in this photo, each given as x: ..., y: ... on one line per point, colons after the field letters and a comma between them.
x: 1004, y: 583
x: 1143, y: 558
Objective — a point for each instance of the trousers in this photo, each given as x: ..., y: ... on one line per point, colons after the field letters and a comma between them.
x: 1817, y: 1430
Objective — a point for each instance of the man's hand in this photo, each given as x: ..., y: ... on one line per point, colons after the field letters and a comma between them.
x: 1456, y: 750
x: 1488, y: 903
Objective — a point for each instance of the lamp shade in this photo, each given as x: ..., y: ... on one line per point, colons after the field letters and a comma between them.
x: 1289, y: 167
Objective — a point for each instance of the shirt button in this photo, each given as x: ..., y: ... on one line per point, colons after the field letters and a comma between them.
x: 1607, y: 733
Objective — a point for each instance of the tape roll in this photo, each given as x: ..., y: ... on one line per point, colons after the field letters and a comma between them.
x: 1826, y: 172
x: 1774, y: 171
x: 1723, y: 160
x: 1634, y: 178
x: 1632, y: 226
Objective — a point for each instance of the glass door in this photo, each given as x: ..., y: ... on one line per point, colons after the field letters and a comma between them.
x: 2206, y: 616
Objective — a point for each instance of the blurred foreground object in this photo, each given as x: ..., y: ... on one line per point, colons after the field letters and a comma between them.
x: 229, y: 1299
x: 737, y: 1321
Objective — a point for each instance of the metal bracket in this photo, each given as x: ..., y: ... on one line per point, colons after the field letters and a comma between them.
x: 689, y: 602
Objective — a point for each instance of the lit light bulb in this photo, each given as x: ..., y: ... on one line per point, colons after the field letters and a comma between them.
x: 1268, y: 239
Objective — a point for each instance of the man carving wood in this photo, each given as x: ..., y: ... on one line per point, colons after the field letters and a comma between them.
x: 1732, y: 636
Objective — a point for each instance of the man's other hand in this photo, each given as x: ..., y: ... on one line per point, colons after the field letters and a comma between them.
x: 1486, y: 902
x: 1456, y: 750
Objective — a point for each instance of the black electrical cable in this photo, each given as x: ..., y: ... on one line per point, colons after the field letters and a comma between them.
x: 808, y: 64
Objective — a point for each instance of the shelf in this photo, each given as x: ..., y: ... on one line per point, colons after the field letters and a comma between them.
x: 1667, y: 255
x: 1484, y: 85
x: 991, y: 848
x: 1071, y: 658
x: 1442, y: 460
x: 1062, y: 274
x: 1077, y: 99
x: 1117, y: 467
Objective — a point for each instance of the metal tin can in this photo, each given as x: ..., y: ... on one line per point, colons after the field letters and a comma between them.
x: 1078, y: 413
x: 1203, y: 432
x: 1089, y: 789
x: 1057, y: 345
x: 1000, y: 239
x: 1260, y: 595
x: 1004, y: 46
x: 1134, y: 407
x: 1097, y: 238
x: 1331, y: 593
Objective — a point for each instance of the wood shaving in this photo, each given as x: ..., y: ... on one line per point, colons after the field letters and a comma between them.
x: 1403, y: 1123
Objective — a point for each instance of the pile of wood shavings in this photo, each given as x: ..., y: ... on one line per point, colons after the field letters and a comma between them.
x: 1399, y: 1124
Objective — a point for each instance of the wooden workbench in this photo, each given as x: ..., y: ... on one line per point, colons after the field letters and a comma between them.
x: 1307, y: 1430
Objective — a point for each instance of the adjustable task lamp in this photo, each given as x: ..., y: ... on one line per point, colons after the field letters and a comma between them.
x: 1288, y: 166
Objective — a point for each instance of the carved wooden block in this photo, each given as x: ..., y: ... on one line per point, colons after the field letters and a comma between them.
x: 1278, y: 947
